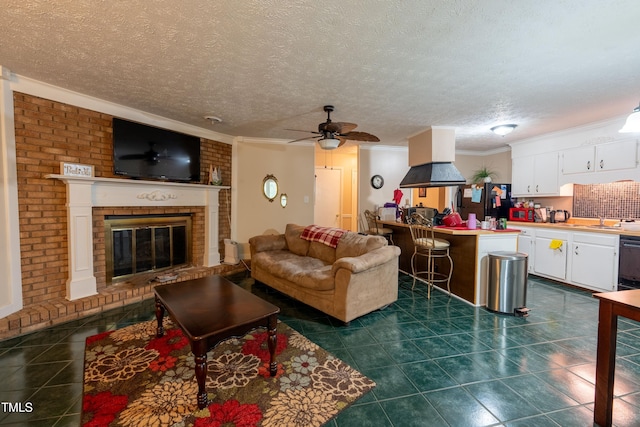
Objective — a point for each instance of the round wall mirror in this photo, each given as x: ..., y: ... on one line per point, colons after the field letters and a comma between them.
x: 270, y: 187
x: 283, y: 200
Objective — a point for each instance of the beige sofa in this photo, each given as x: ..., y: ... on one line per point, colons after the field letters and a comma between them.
x: 356, y: 277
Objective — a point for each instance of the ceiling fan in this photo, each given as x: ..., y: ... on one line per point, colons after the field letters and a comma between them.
x: 150, y: 156
x: 334, y: 134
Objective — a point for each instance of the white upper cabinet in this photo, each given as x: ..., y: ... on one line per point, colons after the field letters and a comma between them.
x: 578, y: 160
x: 535, y: 175
x: 522, y: 175
x: 616, y: 155
x: 607, y: 157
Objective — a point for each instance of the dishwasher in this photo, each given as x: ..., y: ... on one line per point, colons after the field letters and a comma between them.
x: 629, y: 267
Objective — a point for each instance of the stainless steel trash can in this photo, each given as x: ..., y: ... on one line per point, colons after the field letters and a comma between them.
x: 507, y: 284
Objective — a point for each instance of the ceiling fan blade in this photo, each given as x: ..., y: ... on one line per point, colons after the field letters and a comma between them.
x: 133, y: 157
x: 360, y: 136
x: 342, y: 141
x: 346, y: 127
x: 303, y: 139
x: 307, y: 131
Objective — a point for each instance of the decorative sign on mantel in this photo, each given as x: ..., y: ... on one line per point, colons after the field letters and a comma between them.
x: 75, y: 169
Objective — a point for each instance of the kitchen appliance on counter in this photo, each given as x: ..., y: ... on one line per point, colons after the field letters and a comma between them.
x: 541, y: 214
x: 559, y: 216
x: 628, y: 266
x: 483, y: 200
x: 425, y: 212
x: 522, y: 214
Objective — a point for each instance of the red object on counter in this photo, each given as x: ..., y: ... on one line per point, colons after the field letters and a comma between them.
x: 522, y: 214
x: 452, y: 220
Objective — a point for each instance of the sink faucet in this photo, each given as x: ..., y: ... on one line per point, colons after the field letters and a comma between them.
x: 601, y: 220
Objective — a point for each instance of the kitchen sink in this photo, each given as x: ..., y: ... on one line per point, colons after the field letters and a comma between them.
x: 604, y: 227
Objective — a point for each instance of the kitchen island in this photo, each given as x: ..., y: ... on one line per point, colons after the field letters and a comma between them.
x: 469, y: 250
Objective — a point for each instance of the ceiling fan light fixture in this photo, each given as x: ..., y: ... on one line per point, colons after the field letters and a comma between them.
x: 503, y: 130
x: 329, y: 143
x: 633, y: 122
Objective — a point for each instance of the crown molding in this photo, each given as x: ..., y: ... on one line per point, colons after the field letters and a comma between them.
x: 40, y: 89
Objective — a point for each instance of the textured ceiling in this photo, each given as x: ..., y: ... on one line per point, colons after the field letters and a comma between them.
x: 394, y: 67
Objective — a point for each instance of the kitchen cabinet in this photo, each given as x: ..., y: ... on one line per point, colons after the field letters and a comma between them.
x: 611, y: 156
x: 535, y: 175
x: 551, y: 261
x: 594, y: 261
x: 525, y: 245
x: 578, y: 160
x: 616, y: 155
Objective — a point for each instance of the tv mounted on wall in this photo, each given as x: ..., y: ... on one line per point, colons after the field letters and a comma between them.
x: 147, y: 152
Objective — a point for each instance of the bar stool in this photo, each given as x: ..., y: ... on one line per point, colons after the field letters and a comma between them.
x: 376, y: 229
x: 427, y: 246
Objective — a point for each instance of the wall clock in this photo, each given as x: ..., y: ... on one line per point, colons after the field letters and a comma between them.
x: 377, y: 181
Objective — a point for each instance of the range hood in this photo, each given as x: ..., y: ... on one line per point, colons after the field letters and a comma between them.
x: 431, y: 156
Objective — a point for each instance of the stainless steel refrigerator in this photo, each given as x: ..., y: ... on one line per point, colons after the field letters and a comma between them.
x: 493, y: 200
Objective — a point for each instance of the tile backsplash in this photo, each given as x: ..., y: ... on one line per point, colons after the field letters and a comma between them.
x: 617, y: 200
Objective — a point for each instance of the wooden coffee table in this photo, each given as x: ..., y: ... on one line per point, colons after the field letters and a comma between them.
x: 209, y: 310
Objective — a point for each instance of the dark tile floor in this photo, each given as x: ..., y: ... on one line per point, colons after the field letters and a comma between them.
x: 437, y: 362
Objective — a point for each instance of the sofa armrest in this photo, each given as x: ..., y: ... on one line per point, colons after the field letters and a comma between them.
x: 267, y: 242
x: 366, y: 261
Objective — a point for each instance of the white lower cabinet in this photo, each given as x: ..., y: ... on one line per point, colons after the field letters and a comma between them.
x: 594, y: 261
x: 551, y: 254
x: 525, y: 245
x: 585, y: 259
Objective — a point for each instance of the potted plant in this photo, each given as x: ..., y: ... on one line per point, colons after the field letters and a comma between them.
x: 483, y: 174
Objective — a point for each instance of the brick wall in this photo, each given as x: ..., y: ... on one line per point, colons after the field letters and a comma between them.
x: 50, y: 132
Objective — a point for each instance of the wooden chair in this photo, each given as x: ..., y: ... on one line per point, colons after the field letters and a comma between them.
x: 373, y: 227
x: 427, y: 246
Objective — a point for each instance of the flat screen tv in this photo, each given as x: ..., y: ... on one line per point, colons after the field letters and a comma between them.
x: 147, y: 152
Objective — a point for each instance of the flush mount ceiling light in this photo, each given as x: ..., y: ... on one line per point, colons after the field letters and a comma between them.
x: 503, y: 130
x: 328, y: 143
x: 633, y: 122
x: 213, y: 119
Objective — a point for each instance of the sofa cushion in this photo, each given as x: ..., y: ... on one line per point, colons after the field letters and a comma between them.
x: 322, y: 252
x: 295, y: 244
x: 307, y: 272
x: 353, y: 244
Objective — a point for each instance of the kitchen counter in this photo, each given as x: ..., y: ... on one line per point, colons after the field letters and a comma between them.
x: 589, y: 225
x: 469, y: 250
x: 579, y: 253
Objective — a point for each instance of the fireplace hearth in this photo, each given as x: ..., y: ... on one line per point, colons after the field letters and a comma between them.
x: 145, y: 243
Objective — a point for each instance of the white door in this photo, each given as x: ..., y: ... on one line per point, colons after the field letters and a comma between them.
x: 327, y: 208
x: 578, y: 160
x: 593, y: 266
x: 550, y: 262
x: 522, y: 176
x: 545, y: 173
x: 616, y: 155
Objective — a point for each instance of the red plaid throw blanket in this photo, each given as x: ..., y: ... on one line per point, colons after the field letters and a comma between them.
x: 327, y: 235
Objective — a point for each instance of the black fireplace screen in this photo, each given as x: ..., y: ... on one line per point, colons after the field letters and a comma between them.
x: 140, y: 245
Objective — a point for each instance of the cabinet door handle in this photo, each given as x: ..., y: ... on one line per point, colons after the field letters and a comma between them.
x: 601, y: 164
x: 589, y: 165
x: 536, y: 188
x: 576, y: 250
x: 528, y: 188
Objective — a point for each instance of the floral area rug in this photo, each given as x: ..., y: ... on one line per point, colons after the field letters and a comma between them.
x: 132, y: 378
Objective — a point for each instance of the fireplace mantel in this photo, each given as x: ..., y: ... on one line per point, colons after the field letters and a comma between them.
x: 84, y: 193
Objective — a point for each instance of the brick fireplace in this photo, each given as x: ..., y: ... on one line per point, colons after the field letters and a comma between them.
x: 49, y: 132
x: 125, y: 197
